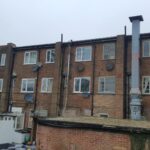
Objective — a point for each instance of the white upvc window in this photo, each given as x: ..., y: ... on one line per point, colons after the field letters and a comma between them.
x: 82, y: 85
x: 50, y: 56
x: 47, y: 84
x: 109, y: 51
x: 2, y: 59
x: 1, y: 85
x: 30, y: 57
x: 83, y: 53
x: 27, y: 85
x: 146, y: 48
x: 106, y: 85
x: 146, y: 85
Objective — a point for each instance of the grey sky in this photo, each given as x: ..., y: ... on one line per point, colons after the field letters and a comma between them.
x: 29, y: 22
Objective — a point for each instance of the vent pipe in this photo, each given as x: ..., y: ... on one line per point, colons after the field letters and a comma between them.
x: 135, y: 103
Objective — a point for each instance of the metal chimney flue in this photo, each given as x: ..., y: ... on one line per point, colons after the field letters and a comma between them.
x: 135, y: 103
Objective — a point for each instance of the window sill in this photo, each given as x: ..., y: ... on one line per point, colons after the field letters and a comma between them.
x: 45, y: 92
x: 107, y: 93
x: 82, y: 60
x: 30, y: 64
x: 23, y: 92
x: 49, y: 62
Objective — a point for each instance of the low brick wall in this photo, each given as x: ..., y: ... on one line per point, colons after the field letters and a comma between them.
x: 49, y: 138
x: 63, y: 135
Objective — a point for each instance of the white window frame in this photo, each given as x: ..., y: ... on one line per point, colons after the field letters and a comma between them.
x: 143, y: 91
x: 42, y: 91
x: 1, y: 87
x: 80, y: 78
x: 143, y: 47
x: 26, y: 79
x: 81, y: 59
x: 113, y: 57
x: 29, y: 63
x: 50, y: 50
x: 3, y: 59
x: 19, y: 121
x: 105, y: 78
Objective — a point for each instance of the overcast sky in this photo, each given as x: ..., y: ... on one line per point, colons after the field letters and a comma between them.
x: 29, y: 22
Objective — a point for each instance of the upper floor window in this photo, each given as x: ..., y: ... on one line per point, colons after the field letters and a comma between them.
x: 50, y: 56
x: 83, y: 53
x: 109, y: 51
x: 146, y: 85
x: 2, y: 59
x: 30, y: 57
x: 27, y: 85
x: 1, y: 85
x: 106, y: 85
x: 146, y: 48
x: 47, y: 84
x: 82, y: 85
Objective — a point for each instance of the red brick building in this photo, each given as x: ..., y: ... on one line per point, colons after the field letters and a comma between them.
x: 77, y: 78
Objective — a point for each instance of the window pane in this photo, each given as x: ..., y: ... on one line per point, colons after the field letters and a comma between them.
x: 3, y: 57
x: 24, y: 82
x: 30, y: 85
x: 27, y: 56
x: 48, y: 56
x: 85, y: 85
x: 101, y: 85
x: 1, y: 84
x: 44, y: 87
x: 86, y: 53
x: 146, y: 48
x: 33, y: 57
x: 52, y: 55
x: 78, y: 54
x: 109, y: 51
x: 77, y: 84
x: 49, y: 85
x: 146, y: 85
x: 110, y: 84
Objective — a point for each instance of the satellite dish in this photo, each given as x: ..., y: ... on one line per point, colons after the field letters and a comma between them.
x: 36, y: 67
x: 80, y: 68
x: 29, y: 98
x: 109, y: 66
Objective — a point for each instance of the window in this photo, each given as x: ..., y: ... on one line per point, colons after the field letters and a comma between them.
x: 2, y: 59
x: 1, y: 85
x: 27, y: 85
x: 146, y: 48
x: 83, y: 53
x: 50, y: 56
x: 82, y: 85
x: 19, y: 122
x: 106, y: 85
x: 146, y: 85
x: 109, y: 51
x: 30, y: 57
x: 47, y: 84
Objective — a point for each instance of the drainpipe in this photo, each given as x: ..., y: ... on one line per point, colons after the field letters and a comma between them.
x: 135, y: 104
x: 67, y: 79
x: 93, y: 81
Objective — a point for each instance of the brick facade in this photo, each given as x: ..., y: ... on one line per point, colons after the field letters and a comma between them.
x: 63, y: 99
x: 49, y: 138
x: 5, y: 74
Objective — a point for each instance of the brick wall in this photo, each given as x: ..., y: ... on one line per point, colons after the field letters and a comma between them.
x: 46, y: 101
x: 112, y: 104
x: 49, y: 138
x: 5, y: 74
